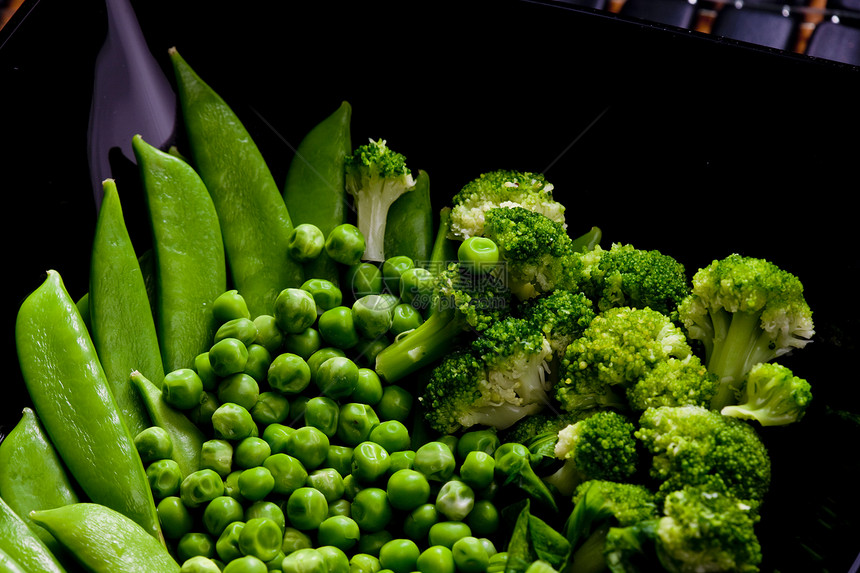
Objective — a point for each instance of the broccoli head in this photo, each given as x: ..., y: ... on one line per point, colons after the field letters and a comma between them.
x: 692, y: 445
x: 745, y: 311
x: 674, y: 382
x: 376, y: 176
x: 500, y: 188
x: 539, y: 431
x: 772, y: 395
x: 561, y: 315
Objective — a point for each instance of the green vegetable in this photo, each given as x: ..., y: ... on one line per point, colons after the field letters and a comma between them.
x: 470, y: 555
x: 254, y: 219
x: 22, y: 545
x: 513, y: 466
x: 372, y: 315
x: 121, y: 320
x: 409, y: 224
x: 371, y: 509
x: 306, y: 508
x: 340, y: 531
x: 436, y: 559
x: 307, y: 242
x: 399, y: 555
x: 455, y: 500
x: 346, y: 244
x: 479, y: 252
x: 71, y: 393
x: 534, y: 539
x: 336, y: 326
x: 294, y: 310
x: 189, y: 255
x: 103, y: 539
x: 772, y: 395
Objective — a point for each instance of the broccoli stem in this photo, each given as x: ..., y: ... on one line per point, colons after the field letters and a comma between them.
x: 741, y: 344
x: 588, y: 557
x: 434, y: 338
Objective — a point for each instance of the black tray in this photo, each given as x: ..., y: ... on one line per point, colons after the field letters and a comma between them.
x: 664, y: 138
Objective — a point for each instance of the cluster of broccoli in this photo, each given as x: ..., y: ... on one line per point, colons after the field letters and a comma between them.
x: 638, y: 391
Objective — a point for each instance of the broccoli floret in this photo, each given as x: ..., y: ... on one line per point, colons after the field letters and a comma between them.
x: 539, y: 431
x: 745, y: 311
x: 500, y: 188
x: 601, y: 446
x: 772, y: 395
x: 692, y: 445
x: 495, y: 382
x: 617, y: 349
x: 624, y: 275
x: 465, y: 304
x: 561, y: 315
x: 376, y: 177
x: 674, y: 382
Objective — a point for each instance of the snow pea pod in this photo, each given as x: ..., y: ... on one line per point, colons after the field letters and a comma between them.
x: 71, y: 394
x: 254, y: 219
x: 186, y: 436
x: 9, y: 565
x: 190, y: 264
x: 104, y: 540
x: 121, y: 322
x: 314, y: 190
x: 32, y: 475
x: 23, y: 546
x: 409, y: 226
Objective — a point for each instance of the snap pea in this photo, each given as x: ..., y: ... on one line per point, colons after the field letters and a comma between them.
x: 186, y: 436
x: 121, y: 320
x: 8, y: 564
x: 314, y: 190
x: 23, y: 545
x: 189, y: 254
x: 409, y: 225
x: 253, y: 216
x: 33, y: 475
x: 69, y: 390
x: 103, y: 539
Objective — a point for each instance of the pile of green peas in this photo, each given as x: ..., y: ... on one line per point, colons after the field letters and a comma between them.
x: 310, y: 463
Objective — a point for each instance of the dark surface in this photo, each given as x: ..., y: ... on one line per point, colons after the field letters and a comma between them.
x: 678, y: 13
x: 836, y: 41
x: 696, y: 146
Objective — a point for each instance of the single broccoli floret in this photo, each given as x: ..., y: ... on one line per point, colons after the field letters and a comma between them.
x: 674, y: 382
x: 745, y: 311
x: 465, y: 304
x: 617, y: 349
x: 772, y: 395
x: 496, y: 189
x: 376, y: 177
x: 561, y: 315
x: 600, y: 505
x: 624, y: 275
x: 691, y: 445
x: 495, y: 382
x: 601, y: 446
x: 539, y: 431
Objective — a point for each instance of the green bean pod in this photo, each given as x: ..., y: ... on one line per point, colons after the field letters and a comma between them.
x: 8, y: 564
x: 190, y: 264
x: 187, y: 437
x: 254, y: 219
x: 314, y: 190
x: 409, y: 226
x: 121, y: 321
x: 32, y: 475
x: 104, y: 540
x: 70, y: 392
x: 23, y: 546
x: 444, y: 249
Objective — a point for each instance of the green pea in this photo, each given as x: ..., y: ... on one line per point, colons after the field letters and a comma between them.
x: 200, y: 487
x: 416, y: 287
x: 399, y: 555
x: 304, y: 561
x: 294, y: 540
x: 242, y: 329
x: 355, y: 421
x: 455, y: 500
x: 277, y: 436
x: 402, y: 460
x: 269, y: 336
x: 405, y: 317
x: 371, y: 509
x: 484, y: 519
x: 407, y: 489
x: 392, y: 268
x: 306, y: 242
x: 303, y: 343
x: 288, y: 473
x: 370, y: 462
x: 271, y: 408
x: 367, y: 348
x: 479, y: 253
x: 229, y: 305
x: 182, y: 388
x: 478, y: 469
x: 481, y: 440
x: 317, y: 358
x: 307, y: 508
x: 449, y: 440
x: 339, y: 458
x: 267, y: 509
x: 339, y: 531
x: 227, y: 544
x: 337, y: 377
x: 336, y: 559
x: 470, y: 555
x: 351, y: 487
x: 368, y: 390
x: 203, y: 367
x: 256, y: 483
x: 371, y: 543
x: 239, y: 389
x: 228, y: 356
x: 498, y: 562
x: 309, y: 445
x: 231, y: 486
x: 295, y: 310
x: 337, y: 327
x: 231, y: 421
x: 201, y: 414
x: 417, y: 523
x: 259, y: 360
x: 364, y: 563
x: 326, y: 293
x: 363, y: 279
x: 328, y: 481
x: 194, y: 544
x: 164, y: 477
x: 251, y: 452
x: 372, y: 315
x: 395, y: 404
x: 345, y: 244
x: 174, y: 516
x: 199, y: 564
x: 298, y: 405
x: 261, y: 537
x: 321, y: 412
x: 153, y: 443
x: 220, y: 512
x: 447, y: 533
x: 246, y: 564
x: 340, y: 506
x: 391, y: 435
x: 436, y: 461
x: 436, y: 559
x: 289, y: 373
